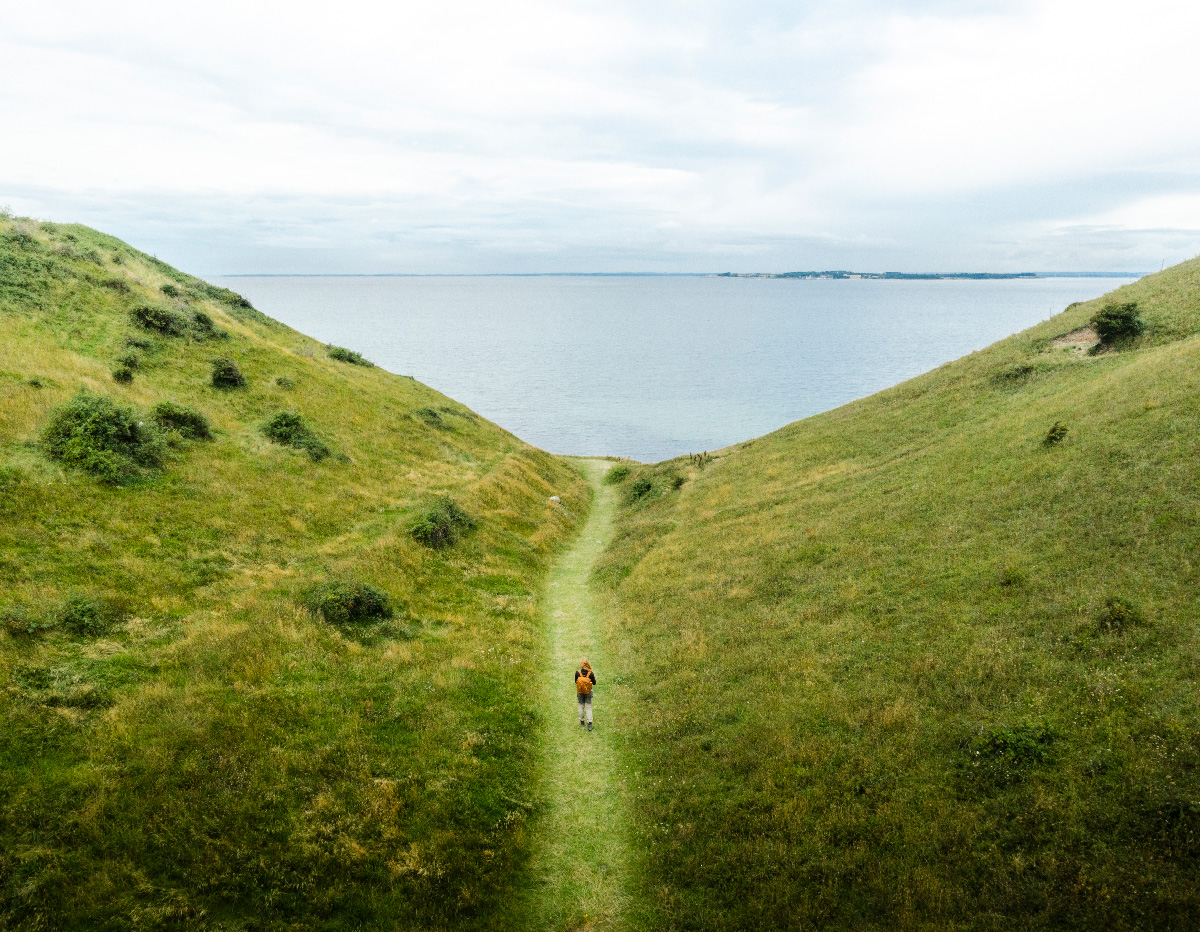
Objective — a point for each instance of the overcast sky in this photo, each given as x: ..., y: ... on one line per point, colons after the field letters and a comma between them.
x: 448, y: 136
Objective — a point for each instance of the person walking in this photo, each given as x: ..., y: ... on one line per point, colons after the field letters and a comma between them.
x: 585, y: 679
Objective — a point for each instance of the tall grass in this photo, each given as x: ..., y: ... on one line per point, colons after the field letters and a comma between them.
x: 214, y: 755
x: 903, y: 666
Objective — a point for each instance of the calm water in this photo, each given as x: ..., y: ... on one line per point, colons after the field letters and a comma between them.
x: 655, y: 367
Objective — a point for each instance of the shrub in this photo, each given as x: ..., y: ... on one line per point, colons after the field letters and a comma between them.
x: 1002, y: 756
x: 1119, y: 614
x: 441, y: 524
x: 1056, y: 434
x: 204, y: 327
x: 138, y: 342
x: 88, y: 616
x: 347, y: 603
x: 122, y: 374
x: 129, y: 360
x: 677, y: 481
x: 285, y: 383
x: 640, y: 489
x: 290, y: 429
x: 187, y: 422
x: 1117, y: 322
x: 170, y: 290
x: 160, y: 319
x: 226, y: 374
x: 430, y: 417
x: 616, y: 474
x: 97, y: 435
x: 341, y: 354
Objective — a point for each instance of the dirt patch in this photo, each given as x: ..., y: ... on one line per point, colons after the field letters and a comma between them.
x: 1077, y: 342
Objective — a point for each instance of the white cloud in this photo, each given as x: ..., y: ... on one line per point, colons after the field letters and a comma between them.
x: 456, y: 135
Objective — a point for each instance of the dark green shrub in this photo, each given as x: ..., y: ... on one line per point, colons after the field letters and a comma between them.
x: 1003, y: 756
x: 1118, y: 322
x: 187, y: 422
x: 341, y: 354
x: 616, y: 474
x: 677, y: 481
x: 640, y: 489
x: 290, y: 429
x: 160, y: 320
x: 1118, y: 615
x: 122, y: 374
x: 129, y: 360
x: 34, y: 382
x: 87, y: 616
x: 347, y: 603
x: 205, y: 329
x: 441, y: 524
x: 139, y: 342
x: 430, y: 417
x: 170, y: 290
x: 225, y: 296
x: 1056, y: 435
x: 93, y: 433
x: 285, y: 383
x: 226, y: 374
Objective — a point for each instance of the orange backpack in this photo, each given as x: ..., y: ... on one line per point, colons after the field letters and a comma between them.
x: 583, y: 684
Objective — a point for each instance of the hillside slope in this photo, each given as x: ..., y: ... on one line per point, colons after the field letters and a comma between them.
x: 881, y: 682
x: 182, y: 743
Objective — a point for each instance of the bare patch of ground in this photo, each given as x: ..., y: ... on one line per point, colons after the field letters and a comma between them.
x: 1078, y: 342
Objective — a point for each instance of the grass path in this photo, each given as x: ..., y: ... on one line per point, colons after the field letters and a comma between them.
x: 581, y: 865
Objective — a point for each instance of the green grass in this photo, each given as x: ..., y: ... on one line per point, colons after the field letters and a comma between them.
x: 905, y: 665
x: 182, y: 743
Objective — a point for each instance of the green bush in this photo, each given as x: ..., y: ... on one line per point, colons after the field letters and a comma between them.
x: 1003, y: 756
x: 1118, y: 615
x: 88, y: 616
x: 99, y: 436
x: 640, y: 489
x: 677, y: 481
x: 285, y: 383
x: 204, y: 327
x: 430, y: 417
x: 160, y: 320
x: 1056, y: 435
x: 341, y: 354
x: 616, y: 474
x: 290, y: 429
x: 1118, y: 322
x: 129, y: 360
x: 171, y: 291
x: 226, y: 374
x: 122, y: 374
x: 347, y: 603
x: 441, y: 524
x: 135, y: 341
x: 187, y: 422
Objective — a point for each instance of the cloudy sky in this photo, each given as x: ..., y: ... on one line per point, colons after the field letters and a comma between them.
x: 464, y: 136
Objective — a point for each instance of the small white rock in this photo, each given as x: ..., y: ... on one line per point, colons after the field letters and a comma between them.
x: 555, y: 499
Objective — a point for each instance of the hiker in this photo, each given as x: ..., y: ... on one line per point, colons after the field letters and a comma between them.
x: 585, y: 679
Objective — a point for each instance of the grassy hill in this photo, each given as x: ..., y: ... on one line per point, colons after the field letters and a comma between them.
x: 267, y: 678
x: 912, y: 664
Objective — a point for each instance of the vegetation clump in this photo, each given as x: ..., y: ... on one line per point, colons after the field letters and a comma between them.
x: 616, y: 475
x: 1118, y: 615
x: 187, y: 422
x: 1055, y: 435
x: 95, y: 434
x: 1003, y: 756
x: 290, y: 429
x: 441, y: 524
x: 226, y: 374
x: 1115, y: 322
x: 88, y: 616
x: 341, y: 354
x: 122, y: 374
x: 171, y: 291
x: 429, y: 416
x: 164, y: 320
x: 285, y: 383
x: 18, y: 621
x: 640, y: 488
x: 342, y: 602
x: 205, y: 329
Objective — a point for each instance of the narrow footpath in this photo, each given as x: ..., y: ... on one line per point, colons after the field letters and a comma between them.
x: 580, y: 863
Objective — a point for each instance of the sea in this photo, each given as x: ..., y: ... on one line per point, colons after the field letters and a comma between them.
x: 651, y: 367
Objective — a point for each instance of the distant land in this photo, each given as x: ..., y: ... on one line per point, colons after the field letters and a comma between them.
x: 907, y: 276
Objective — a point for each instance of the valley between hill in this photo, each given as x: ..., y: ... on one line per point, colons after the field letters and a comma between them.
x: 284, y: 638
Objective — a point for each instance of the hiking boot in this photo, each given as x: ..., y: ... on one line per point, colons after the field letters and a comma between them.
x: 589, y: 726
x: 581, y: 723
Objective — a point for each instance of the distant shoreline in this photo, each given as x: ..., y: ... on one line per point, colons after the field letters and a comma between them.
x: 804, y: 276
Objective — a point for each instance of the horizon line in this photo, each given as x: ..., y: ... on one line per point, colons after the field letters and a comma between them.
x: 933, y: 276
